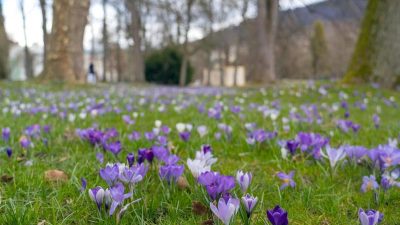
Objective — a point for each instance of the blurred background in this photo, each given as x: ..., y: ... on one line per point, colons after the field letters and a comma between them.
x: 199, y: 42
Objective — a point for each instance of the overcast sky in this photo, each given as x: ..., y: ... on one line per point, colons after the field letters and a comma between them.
x: 13, y: 20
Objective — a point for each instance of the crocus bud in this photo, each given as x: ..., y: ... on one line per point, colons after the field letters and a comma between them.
x: 9, y: 152
x: 97, y: 195
x: 244, y: 180
x: 84, y: 184
x: 278, y: 216
x: 369, y: 217
x: 131, y: 159
x: 249, y: 203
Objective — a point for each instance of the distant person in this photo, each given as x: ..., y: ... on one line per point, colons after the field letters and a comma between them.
x: 91, y: 78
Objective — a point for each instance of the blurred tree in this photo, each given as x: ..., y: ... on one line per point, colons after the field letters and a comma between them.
x: 135, y: 30
x: 105, y: 40
x: 243, y: 6
x: 377, y: 51
x: 185, y: 48
x: 4, y: 46
x: 208, y: 8
x: 64, y: 60
x: 267, y: 22
x: 28, y: 57
x: 163, y: 66
x: 43, y: 5
x: 319, y: 50
x: 119, y: 68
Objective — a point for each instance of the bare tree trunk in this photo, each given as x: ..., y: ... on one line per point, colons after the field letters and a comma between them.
x: 185, y: 51
x: 28, y: 57
x: 235, y: 70
x: 267, y: 21
x: 65, y: 54
x: 118, y: 46
x: 377, y: 50
x: 135, y: 31
x: 105, y: 40
x: 4, y: 46
x: 243, y: 12
x: 209, y: 67
x: 221, y: 67
x: 44, y: 29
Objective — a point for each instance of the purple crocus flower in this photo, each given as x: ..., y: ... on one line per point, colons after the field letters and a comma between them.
x: 287, y: 179
x: 334, y: 155
x: 235, y: 109
x: 9, y: 152
x: 46, y: 128
x: 171, y: 160
x: 24, y: 142
x: 389, y: 179
x: 127, y: 119
x: 5, y: 132
x: 134, y: 136
x: 244, y: 180
x: 278, y: 216
x: 97, y: 195
x: 145, y: 154
x: 369, y: 184
x: 84, y: 184
x: 130, y: 175
x: 249, y: 203
x: 100, y: 157
x: 162, y: 140
x: 206, y: 148
x: 369, y: 217
x: 226, y: 209
x: 355, y: 152
x: 215, y: 183
x: 377, y: 120
x: 131, y: 159
x: 185, y: 135
x: 114, y: 147
x: 165, y: 129
x: 291, y: 146
x: 118, y: 196
x: 160, y: 152
x: 110, y: 174
x: 149, y: 135
x: 171, y: 172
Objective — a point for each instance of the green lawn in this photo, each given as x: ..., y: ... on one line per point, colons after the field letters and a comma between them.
x: 322, y: 195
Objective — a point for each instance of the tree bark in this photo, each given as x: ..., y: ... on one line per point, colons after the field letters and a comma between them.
x: 4, y: 46
x: 44, y: 29
x: 267, y: 22
x: 243, y: 12
x: 185, y: 50
x: 64, y: 60
x: 377, y: 51
x: 118, y: 46
x: 136, y: 52
x: 27, y: 54
x: 105, y: 41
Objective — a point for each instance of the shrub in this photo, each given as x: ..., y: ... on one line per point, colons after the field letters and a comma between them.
x: 163, y: 66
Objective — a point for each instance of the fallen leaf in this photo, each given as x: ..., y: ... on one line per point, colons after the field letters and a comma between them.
x: 56, y: 175
x: 207, y: 222
x: 21, y: 158
x: 69, y: 135
x: 182, y: 183
x: 199, y: 208
x: 62, y: 159
x: 43, y: 222
x: 6, y: 178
